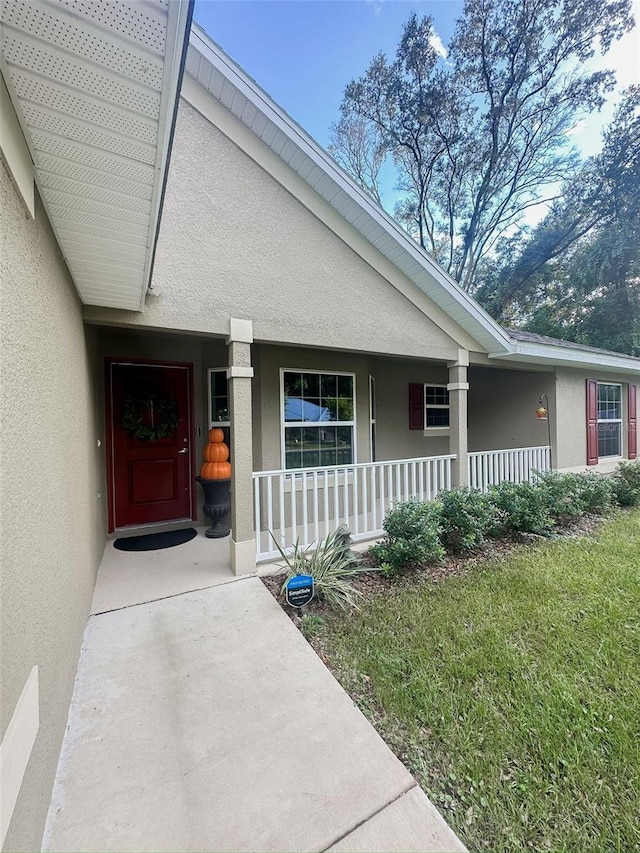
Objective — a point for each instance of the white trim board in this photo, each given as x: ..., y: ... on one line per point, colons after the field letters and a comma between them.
x: 15, y: 750
x: 560, y: 356
x: 14, y: 150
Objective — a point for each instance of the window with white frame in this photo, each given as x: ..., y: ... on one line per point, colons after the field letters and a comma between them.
x: 372, y: 416
x: 609, y: 419
x: 318, y: 418
x: 436, y: 407
x: 218, y: 393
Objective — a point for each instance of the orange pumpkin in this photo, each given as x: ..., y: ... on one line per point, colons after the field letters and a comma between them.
x: 215, y: 471
x: 216, y: 435
x: 216, y: 452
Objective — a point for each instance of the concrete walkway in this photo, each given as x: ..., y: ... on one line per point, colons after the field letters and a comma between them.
x: 203, y: 721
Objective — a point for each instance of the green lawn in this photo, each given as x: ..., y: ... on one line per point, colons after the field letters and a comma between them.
x: 513, y: 692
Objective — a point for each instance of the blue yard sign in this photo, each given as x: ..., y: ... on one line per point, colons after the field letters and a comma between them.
x: 299, y: 590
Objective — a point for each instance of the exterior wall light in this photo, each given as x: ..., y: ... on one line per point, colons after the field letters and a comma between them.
x: 542, y: 414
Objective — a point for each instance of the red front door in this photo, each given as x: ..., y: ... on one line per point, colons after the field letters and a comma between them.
x: 149, y: 432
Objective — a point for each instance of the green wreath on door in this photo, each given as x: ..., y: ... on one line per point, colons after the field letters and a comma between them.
x: 149, y: 417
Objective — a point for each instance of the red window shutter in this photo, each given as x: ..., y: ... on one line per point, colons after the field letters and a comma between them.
x: 416, y: 405
x: 592, y: 422
x: 632, y: 417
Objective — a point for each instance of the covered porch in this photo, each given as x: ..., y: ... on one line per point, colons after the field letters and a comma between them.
x: 320, y: 438
x: 422, y: 426
x: 305, y: 505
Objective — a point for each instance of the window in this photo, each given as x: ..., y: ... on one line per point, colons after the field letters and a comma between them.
x: 609, y: 420
x: 429, y: 407
x: 436, y: 406
x: 318, y: 417
x: 605, y: 436
x: 372, y: 416
x: 219, y: 413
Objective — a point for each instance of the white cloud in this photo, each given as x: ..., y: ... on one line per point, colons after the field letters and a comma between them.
x: 624, y: 56
x: 377, y: 6
x: 624, y: 59
x: 436, y: 43
x: 578, y: 127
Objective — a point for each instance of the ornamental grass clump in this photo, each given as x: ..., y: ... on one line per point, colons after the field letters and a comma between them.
x: 412, y: 537
x: 331, y: 563
x: 467, y: 518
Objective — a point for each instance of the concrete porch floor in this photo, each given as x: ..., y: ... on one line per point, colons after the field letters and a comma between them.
x: 126, y: 577
x: 202, y: 720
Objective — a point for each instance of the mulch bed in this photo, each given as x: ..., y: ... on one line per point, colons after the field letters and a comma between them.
x: 370, y: 583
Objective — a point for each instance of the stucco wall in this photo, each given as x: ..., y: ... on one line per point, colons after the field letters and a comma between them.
x: 572, y: 401
x: 502, y: 406
x: 394, y: 439
x: 234, y: 243
x: 52, y: 533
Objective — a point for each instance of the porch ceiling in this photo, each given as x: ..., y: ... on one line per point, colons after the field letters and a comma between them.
x: 95, y: 87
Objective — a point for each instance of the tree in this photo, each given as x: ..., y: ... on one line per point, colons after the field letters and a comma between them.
x: 594, y: 298
x: 577, y: 276
x: 479, y: 139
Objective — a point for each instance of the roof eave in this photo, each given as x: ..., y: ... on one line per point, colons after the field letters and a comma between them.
x: 178, y: 29
x: 106, y: 277
x: 531, y: 353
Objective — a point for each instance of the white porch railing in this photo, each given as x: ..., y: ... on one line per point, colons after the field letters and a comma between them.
x: 308, y: 504
x: 491, y: 467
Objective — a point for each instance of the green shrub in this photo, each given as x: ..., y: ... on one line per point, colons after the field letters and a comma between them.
x: 626, y: 484
x: 523, y: 506
x: 413, y: 537
x: 332, y: 565
x: 468, y: 517
x: 568, y: 496
x: 596, y: 492
x: 563, y: 495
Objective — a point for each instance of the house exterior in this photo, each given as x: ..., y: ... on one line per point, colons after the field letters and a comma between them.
x: 177, y: 253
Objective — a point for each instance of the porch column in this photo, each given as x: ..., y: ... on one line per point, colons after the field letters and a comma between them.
x: 239, y: 375
x: 458, y: 387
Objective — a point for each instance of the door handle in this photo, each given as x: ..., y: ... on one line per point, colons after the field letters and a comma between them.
x: 184, y: 450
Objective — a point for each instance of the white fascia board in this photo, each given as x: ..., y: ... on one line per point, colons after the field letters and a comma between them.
x: 531, y: 353
x: 445, y: 286
x: 178, y: 15
x: 14, y: 148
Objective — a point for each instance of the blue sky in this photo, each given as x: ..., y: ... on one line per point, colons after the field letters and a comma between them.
x: 304, y: 52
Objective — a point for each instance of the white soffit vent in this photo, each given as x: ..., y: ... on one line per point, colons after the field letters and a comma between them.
x: 94, y: 84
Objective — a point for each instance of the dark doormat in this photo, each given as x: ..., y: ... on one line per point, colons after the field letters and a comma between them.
x: 156, y: 541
